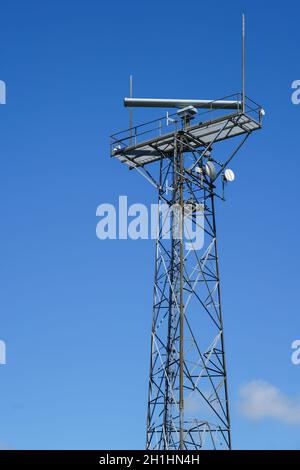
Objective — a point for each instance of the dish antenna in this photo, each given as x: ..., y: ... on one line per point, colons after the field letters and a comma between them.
x: 210, y: 170
x: 229, y: 175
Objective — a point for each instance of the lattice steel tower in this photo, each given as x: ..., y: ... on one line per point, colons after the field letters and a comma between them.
x: 185, y: 156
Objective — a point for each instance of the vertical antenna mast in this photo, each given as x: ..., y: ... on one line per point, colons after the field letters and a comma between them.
x: 243, y: 62
x: 130, y: 111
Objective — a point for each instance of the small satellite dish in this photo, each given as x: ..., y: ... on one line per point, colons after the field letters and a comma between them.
x: 210, y: 170
x: 229, y: 175
x: 198, y: 169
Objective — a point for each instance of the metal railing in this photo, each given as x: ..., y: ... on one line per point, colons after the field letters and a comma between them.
x: 170, y: 123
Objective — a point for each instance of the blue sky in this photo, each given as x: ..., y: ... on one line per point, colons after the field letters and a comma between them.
x: 76, y: 311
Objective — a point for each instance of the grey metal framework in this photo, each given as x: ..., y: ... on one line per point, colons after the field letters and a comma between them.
x: 188, y: 405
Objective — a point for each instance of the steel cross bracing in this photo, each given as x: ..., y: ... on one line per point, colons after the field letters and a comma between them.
x: 206, y: 417
x: 188, y: 404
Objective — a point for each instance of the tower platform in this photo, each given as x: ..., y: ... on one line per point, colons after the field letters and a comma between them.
x: 152, y: 141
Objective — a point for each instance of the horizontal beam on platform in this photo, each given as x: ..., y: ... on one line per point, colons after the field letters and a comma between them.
x: 173, y: 103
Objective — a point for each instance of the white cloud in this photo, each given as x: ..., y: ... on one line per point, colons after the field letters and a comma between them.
x: 259, y: 399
